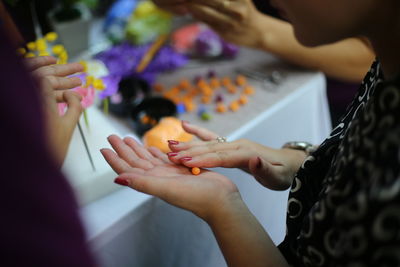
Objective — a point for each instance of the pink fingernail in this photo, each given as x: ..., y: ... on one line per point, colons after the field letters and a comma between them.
x: 173, y: 142
x: 121, y: 181
x: 186, y: 158
x: 172, y: 154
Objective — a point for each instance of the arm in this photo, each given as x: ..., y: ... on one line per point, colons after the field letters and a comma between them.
x: 239, y: 22
x: 209, y: 195
x: 242, y: 239
x: 346, y: 60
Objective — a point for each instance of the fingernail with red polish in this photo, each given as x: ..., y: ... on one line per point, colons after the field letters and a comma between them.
x: 121, y: 181
x: 172, y: 154
x: 186, y: 158
x: 173, y: 142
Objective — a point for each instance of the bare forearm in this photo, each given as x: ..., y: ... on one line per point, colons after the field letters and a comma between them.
x: 347, y: 60
x: 242, y: 239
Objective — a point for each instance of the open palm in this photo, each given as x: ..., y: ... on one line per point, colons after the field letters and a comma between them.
x: 150, y: 171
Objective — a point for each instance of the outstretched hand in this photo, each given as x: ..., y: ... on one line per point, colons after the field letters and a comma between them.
x: 151, y: 172
x: 273, y: 168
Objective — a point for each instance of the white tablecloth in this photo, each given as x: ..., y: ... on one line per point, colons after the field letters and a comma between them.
x: 127, y: 228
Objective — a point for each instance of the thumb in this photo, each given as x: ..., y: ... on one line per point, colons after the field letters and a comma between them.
x: 265, y: 173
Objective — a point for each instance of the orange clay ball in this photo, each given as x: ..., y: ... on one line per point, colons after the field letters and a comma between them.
x: 231, y: 89
x: 189, y: 105
x: 234, y: 106
x: 201, y: 83
x: 184, y: 84
x: 214, y: 83
x: 221, y: 108
x: 158, y: 87
x: 207, y: 91
x: 241, y: 80
x: 195, y: 170
x: 243, y: 100
x: 206, y: 99
x: 248, y: 90
x: 226, y: 81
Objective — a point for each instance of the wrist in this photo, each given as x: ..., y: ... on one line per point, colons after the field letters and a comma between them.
x: 224, y: 210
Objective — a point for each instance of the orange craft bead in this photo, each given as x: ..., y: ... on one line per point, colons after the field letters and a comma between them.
x: 184, y: 84
x: 201, y: 83
x: 221, y: 108
x: 243, y: 100
x: 241, y: 80
x: 145, y: 119
x: 158, y: 87
x: 189, y: 105
x: 226, y: 81
x: 207, y: 91
x: 195, y: 170
x: 231, y: 89
x: 214, y: 83
x: 248, y: 90
x: 234, y: 106
x: 206, y: 99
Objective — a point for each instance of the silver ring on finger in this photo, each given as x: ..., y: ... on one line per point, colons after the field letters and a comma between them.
x: 221, y: 139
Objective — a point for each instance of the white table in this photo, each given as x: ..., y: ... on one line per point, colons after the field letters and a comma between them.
x: 127, y: 228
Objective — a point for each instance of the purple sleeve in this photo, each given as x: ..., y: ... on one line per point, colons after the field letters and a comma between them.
x: 39, y: 223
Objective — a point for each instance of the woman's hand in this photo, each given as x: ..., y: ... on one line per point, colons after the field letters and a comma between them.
x: 151, y: 172
x: 53, y: 84
x: 273, y: 168
x: 236, y: 21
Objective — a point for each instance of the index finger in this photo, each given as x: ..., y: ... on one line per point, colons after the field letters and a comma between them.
x: 37, y: 62
x: 59, y: 70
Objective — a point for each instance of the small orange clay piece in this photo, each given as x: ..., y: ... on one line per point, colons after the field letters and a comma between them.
x: 226, y: 81
x: 214, y: 83
x: 243, y: 100
x: 248, y: 90
x: 184, y: 84
x: 169, y: 128
x: 206, y: 90
x: 145, y: 119
x: 221, y: 108
x: 195, y: 170
x: 241, y: 80
x: 234, y: 106
x: 189, y: 105
x: 231, y: 89
x: 201, y: 83
x: 153, y: 122
x: 158, y: 87
x: 206, y: 99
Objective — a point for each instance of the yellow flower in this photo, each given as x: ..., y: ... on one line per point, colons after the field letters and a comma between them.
x: 21, y: 51
x: 31, y: 46
x: 89, y: 81
x: 41, y: 44
x: 84, y: 64
x: 43, y: 53
x: 58, y: 49
x: 29, y: 55
x: 51, y: 36
x: 98, y: 84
